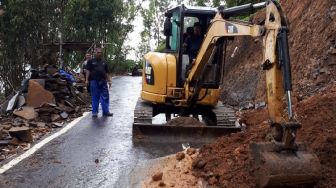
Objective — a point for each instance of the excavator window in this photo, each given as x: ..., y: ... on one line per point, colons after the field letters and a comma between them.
x: 181, y: 19
x: 172, y: 40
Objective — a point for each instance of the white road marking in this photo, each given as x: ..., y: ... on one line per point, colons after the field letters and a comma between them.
x: 39, y: 145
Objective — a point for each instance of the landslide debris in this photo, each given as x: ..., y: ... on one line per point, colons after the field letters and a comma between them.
x: 228, y: 159
x: 175, y: 173
x: 312, y: 48
x: 46, y: 101
x: 185, y: 121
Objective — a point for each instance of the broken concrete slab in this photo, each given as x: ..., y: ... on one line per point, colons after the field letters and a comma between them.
x: 26, y: 112
x: 57, y: 125
x: 37, y: 95
x: 5, y: 126
x: 246, y: 106
x: 41, y: 124
x: 64, y: 115
x: 22, y: 133
x: 12, y: 102
x: 45, y: 118
x: 55, y: 117
x: 21, y: 101
x: 40, y: 81
x: 15, y: 141
x: 69, y: 103
x: 17, y: 122
x: 260, y: 105
x: 4, y: 142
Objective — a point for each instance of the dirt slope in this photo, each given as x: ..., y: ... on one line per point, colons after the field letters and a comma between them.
x: 312, y: 42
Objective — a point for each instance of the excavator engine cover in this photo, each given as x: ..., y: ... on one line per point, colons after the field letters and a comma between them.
x: 274, y: 167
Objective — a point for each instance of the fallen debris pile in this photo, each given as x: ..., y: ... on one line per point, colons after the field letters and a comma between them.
x: 176, y: 172
x: 185, y: 121
x: 226, y: 161
x: 45, y: 101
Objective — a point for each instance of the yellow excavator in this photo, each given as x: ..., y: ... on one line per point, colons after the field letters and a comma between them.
x: 172, y: 83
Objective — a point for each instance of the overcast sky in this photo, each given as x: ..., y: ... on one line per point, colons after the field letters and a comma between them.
x: 134, y: 38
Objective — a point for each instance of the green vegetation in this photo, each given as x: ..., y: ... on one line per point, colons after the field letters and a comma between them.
x: 27, y: 25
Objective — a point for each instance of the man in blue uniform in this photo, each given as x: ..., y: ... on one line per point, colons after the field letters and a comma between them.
x: 98, y: 75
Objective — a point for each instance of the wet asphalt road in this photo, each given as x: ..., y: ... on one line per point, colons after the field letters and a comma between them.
x: 69, y: 160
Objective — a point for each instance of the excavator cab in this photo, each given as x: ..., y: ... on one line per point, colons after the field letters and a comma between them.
x: 165, y: 74
x: 178, y: 26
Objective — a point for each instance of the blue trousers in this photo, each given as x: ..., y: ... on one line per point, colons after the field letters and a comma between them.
x: 99, y: 93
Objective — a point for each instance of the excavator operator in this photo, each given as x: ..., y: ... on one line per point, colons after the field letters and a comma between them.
x: 193, y: 42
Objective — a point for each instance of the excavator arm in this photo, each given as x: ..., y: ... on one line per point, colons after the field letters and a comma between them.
x: 274, y: 33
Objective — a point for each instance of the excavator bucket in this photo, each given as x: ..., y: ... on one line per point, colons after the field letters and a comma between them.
x: 283, y: 168
x: 145, y: 131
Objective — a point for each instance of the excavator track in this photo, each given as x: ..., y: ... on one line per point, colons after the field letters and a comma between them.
x: 144, y: 130
x: 225, y: 116
x: 143, y: 113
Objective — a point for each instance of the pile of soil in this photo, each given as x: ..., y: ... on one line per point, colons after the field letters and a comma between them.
x: 176, y: 172
x: 227, y: 159
x: 185, y: 122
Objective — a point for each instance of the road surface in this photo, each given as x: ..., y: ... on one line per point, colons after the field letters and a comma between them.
x: 70, y: 159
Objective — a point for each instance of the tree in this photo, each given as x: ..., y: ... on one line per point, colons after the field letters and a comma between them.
x: 27, y: 25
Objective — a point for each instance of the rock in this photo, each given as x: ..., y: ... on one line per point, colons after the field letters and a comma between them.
x: 67, y: 102
x: 22, y: 133
x: 15, y: 142
x: 260, y: 105
x: 323, y: 70
x: 57, y: 125
x: 246, y: 106
x: 157, y: 176
x: 64, y: 115
x: 26, y: 113
x: 321, y: 79
x: 1, y: 133
x: 21, y: 101
x: 5, y: 126
x: 17, y: 122
x: 40, y: 81
x: 139, y: 136
x: 97, y: 161
x: 45, y: 118
x: 12, y: 102
x: 4, y: 142
x: 191, y: 151
x: 212, y: 181
x: 199, y: 163
x: 37, y: 95
x: 180, y: 156
x: 333, y: 51
x: 49, y: 110
x: 162, y: 184
x: 41, y: 124
x: 55, y: 117
x: 237, y: 124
